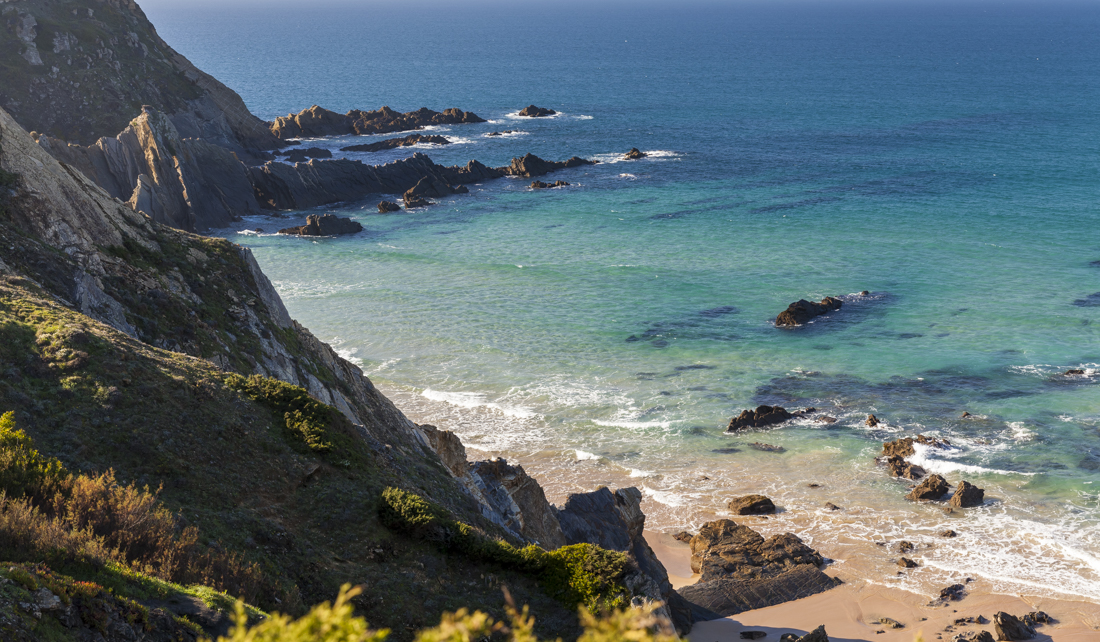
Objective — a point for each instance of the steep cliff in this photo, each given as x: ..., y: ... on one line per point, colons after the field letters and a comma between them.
x: 80, y: 70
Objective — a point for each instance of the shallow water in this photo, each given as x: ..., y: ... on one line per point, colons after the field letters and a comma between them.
x: 942, y: 158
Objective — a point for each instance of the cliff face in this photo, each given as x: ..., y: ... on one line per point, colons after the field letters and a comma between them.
x: 79, y: 70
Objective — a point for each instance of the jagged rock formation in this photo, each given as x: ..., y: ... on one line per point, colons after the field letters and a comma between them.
x: 802, y: 311
x: 615, y: 521
x: 1009, y: 627
x: 393, y: 143
x: 763, y: 417
x: 932, y: 488
x: 531, y: 166
x: 324, y: 225
x: 967, y: 495
x: 741, y: 571
x: 898, y: 467
x: 80, y: 71
x: 541, y: 185
x: 386, y: 207
x: 634, y: 154
x: 318, y: 121
x: 186, y: 183
x: 301, y: 155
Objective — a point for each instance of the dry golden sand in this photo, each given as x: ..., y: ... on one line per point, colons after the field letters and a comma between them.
x: 851, y: 611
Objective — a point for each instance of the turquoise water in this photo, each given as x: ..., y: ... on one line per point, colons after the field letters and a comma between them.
x: 943, y: 158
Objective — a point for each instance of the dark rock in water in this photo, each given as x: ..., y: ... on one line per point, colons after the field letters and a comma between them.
x: 324, y: 225
x: 1090, y: 301
x: 726, y: 451
x: 905, y: 546
x: 954, y: 592
x: 634, y: 154
x: 1009, y: 627
x: 753, y: 635
x: 683, y: 536
x: 933, y: 488
x: 301, y: 155
x: 318, y: 121
x: 430, y: 187
x: 826, y: 419
x: 948, y: 533
x: 742, y: 571
x: 393, y: 143
x: 967, y: 495
x: 531, y: 166
x: 416, y: 201
x: 751, y: 505
x: 259, y: 230
x: 506, y: 131
x: 865, y: 293
x: 898, y: 467
x: 832, y: 506
x: 813, y: 485
x: 904, y: 447
x: 536, y: 112
x: 906, y: 562
x: 964, y: 415
x: 615, y: 521
x: 872, y: 421
x: 388, y: 206
x: 1074, y: 371
x: 802, y: 311
x: 541, y: 185
x: 768, y: 448
x: 761, y: 417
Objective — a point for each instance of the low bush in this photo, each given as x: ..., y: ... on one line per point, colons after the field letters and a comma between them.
x: 580, y: 574
x: 337, y: 623
x: 307, y: 420
x: 48, y: 514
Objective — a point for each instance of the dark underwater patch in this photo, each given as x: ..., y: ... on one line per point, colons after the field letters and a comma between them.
x: 1091, y: 301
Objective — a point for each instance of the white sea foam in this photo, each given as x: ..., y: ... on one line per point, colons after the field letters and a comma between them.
x: 668, y: 498
x: 637, y: 472
x: 633, y: 425
x: 349, y: 355
x: 583, y: 455
x: 629, y: 176
x: 1020, y: 432
x: 922, y: 458
x: 477, y: 400
x: 654, y: 155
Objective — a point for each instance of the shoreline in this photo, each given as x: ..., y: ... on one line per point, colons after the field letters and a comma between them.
x: 851, y: 611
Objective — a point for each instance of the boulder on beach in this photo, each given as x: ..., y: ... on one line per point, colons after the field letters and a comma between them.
x: 683, y: 536
x: 634, y: 154
x: 967, y: 495
x: 817, y: 635
x: 1009, y: 627
x: 324, y: 225
x: 973, y: 636
x: 536, y: 112
x: 955, y: 592
x: 751, y: 505
x: 898, y: 467
x: 388, y: 206
x: 933, y: 488
x: 742, y: 571
x: 802, y: 311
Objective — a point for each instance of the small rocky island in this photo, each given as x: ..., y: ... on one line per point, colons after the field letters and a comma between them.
x: 536, y: 112
x: 393, y: 143
x: 634, y: 154
x: 802, y: 311
x: 324, y: 225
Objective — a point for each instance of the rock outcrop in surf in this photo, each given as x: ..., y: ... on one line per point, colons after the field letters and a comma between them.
x: 532, y: 111
x: 393, y: 143
x: 802, y: 311
x: 324, y: 225
x: 317, y: 121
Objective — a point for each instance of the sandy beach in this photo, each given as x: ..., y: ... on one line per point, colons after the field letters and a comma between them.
x: 852, y: 611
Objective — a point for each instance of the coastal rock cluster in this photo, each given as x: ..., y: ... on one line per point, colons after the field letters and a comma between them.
x: 317, y: 121
x: 764, y: 416
x: 324, y: 225
x: 393, y: 143
x: 933, y: 487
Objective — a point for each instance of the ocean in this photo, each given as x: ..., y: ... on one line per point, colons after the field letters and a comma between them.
x: 944, y: 157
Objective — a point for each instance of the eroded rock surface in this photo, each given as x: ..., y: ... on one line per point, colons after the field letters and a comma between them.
x: 898, y: 467
x: 932, y: 488
x: 741, y: 570
x: 967, y: 495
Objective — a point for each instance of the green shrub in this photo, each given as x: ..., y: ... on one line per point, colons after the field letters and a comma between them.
x: 581, y: 574
x: 307, y: 419
x: 23, y: 470
x: 337, y: 623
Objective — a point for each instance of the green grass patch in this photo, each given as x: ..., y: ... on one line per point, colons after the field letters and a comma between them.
x: 307, y: 420
x: 581, y: 574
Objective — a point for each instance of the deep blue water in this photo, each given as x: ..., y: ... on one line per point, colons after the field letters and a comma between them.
x: 945, y: 158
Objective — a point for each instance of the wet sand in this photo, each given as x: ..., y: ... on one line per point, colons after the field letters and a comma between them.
x: 851, y: 611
